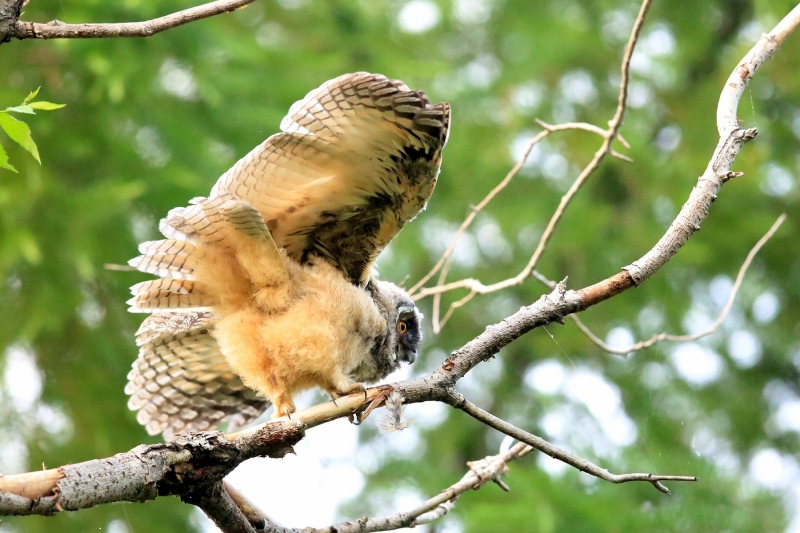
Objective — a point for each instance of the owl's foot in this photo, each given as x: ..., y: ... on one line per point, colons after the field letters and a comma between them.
x: 283, y: 408
x: 346, y: 389
x: 357, y: 387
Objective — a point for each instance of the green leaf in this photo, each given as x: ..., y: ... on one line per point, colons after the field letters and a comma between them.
x: 31, y: 96
x: 4, y: 160
x: 20, y: 133
x: 46, y: 106
x: 22, y: 109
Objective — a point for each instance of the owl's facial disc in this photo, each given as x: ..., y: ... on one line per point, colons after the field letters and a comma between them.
x: 409, y: 332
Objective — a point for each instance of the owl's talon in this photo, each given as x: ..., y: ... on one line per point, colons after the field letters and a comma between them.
x: 356, y: 387
x: 283, y: 409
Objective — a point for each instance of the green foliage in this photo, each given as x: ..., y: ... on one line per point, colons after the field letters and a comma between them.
x: 151, y: 123
x: 18, y: 131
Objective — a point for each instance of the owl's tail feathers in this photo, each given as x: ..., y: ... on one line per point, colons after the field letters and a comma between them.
x: 182, y: 382
x: 167, y: 259
x: 167, y: 293
x: 209, y: 236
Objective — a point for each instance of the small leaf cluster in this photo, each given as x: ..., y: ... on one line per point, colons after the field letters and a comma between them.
x: 18, y: 131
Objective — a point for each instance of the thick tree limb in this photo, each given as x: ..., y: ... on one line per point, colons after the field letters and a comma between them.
x: 9, y: 14
x: 178, y: 467
x: 12, y: 27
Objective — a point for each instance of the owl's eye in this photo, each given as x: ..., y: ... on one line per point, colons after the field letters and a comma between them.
x: 402, y: 327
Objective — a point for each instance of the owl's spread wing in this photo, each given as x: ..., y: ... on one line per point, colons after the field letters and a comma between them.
x: 357, y: 159
x: 181, y: 382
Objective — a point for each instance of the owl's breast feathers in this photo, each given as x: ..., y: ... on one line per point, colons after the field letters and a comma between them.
x: 261, y: 290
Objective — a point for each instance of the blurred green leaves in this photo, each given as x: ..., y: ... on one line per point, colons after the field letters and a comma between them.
x: 18, y: 131
x: 151, y: 123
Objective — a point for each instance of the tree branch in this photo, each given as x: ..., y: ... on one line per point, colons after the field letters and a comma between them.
x: 9, y: 14
x: 480, y: 472
x: 257, y: 518
x: 457, y: 400
x: 12, y: 27
x: 217, y: 503
x: 446, y: 259
x: 680, y: 338
x: 609, y: 135
x: 177, y: 467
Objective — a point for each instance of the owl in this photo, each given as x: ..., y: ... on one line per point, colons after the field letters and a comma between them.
x: 265, y: 287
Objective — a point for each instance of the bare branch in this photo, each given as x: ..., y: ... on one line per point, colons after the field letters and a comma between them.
x: 609, y: 135
x: 480, y: 472
x: 732, y: 138
x: 59, y: 30
x: 678, y: 338
x: 176, y: 467
x: 458, y: 401
x: 613, y: 128
x: 548, y: 128
x: 737, y: 82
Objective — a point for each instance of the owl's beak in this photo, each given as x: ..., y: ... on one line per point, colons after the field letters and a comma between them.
x: 408, y: 356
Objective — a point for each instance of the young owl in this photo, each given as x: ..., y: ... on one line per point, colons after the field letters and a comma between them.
x: 265, y: 287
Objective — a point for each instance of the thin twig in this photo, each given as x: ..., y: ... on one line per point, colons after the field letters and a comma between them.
x: 548, y: 128
x: 59, y: 30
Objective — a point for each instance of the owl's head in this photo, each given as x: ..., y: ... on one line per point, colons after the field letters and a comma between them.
x: 408, y: 329
x: 403, y: 335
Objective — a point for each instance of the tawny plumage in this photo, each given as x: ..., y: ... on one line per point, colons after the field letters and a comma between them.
x: 265, y: 287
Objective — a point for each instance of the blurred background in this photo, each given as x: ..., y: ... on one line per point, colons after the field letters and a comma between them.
x: 151, y: 123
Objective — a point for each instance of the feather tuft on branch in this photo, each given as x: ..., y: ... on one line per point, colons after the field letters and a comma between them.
x: 393, y: 419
